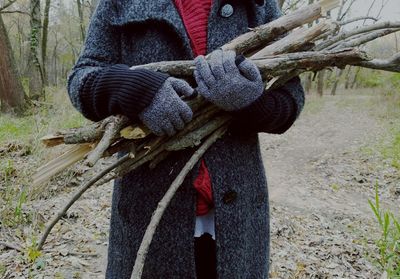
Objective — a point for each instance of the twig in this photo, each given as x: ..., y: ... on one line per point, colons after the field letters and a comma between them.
x: 76, y: 196
x: 11, y: 246
x: 5, y: 6
x: 347, y: 34
x: 163, y: 204
x: 111, y: 130
x: 351, y: 20
x: 365, y: 38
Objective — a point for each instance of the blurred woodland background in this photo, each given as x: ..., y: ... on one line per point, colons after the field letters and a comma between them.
x: 348, y: 139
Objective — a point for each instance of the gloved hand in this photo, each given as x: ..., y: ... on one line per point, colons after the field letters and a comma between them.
x: 167, y: 113
x: 227, y: 85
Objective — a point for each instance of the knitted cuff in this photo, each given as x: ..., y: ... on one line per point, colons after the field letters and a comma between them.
x: 273, y: 112
x: 119, y: 90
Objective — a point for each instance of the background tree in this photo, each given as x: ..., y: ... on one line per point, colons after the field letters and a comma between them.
x: 12, y: 97
x: 45, y: 30
x: 34, y: 69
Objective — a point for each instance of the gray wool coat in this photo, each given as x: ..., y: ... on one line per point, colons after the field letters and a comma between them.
x: 135, y: 32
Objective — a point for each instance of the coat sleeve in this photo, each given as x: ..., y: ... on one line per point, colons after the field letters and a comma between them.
x: 276, y: 110
x: 99, y: 85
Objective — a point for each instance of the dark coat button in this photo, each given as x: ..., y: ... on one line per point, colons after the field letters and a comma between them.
x: 229, y: 197
x: 227, y: 10
x: 260, y: 2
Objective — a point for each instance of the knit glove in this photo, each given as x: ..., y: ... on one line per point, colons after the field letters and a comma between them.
x: 229, y: 83
x: 167, y: 113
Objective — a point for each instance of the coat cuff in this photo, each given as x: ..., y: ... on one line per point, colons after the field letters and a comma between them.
x: 119, y: 90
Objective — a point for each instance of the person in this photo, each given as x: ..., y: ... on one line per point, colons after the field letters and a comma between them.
x: 217, y: 224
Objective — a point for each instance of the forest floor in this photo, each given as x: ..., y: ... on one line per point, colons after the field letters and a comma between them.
x: 321, y: 174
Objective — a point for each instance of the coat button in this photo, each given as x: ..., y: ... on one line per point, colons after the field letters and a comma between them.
x: 227, y: 10
x: 260, y: 2
x: 229, y: 197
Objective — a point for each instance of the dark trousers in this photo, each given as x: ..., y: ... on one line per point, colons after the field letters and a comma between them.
x: 205, y: 257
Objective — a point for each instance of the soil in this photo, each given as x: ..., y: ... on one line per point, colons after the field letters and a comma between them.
x: 321, y: 174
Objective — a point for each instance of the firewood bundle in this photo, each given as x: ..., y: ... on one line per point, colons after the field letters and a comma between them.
x: 281, y: 49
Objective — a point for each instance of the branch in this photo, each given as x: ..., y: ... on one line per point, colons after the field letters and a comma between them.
x: 365, y: 38
x: 10, y: 2
x: 344, y: 22
x: 347, y: 34
x: 113, y: 125
x: 77, y: 195
x: 15, y: 12
x: 262, y: 35
x: 11, y: 246
x: 163, y: 204
x: 300, y: 39
x: 274, y: 65
x: 392, y: 64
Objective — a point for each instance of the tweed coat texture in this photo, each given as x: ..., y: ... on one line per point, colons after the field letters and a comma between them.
x: 135, y: 32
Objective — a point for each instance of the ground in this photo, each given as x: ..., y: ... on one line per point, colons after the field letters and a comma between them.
x: 320, y: 173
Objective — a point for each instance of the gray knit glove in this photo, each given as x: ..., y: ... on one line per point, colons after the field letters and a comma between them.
x: 225, y: 84
x: 167, y: 113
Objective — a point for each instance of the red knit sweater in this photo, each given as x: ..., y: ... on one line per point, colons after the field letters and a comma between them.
x: 194, y: 14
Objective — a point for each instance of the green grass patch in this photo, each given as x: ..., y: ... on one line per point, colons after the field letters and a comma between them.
x: 388, y: 244
x: 392, y: 150
x: 57, y: 114
x: 16, y: 128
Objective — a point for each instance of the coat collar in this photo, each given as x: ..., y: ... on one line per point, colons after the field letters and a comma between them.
x: 135, y: 11
x: 165, y: 11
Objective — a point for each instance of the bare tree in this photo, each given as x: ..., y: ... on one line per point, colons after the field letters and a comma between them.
x: 92, y: 5
x: 12, y: 95
x: 45, y: 30
x: 81, y: 22
x: 34, y: 70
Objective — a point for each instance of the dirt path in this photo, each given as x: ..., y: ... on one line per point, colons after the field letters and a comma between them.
x: 296, y: 162
x: 319, y: 183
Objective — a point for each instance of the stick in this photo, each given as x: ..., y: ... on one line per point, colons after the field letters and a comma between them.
x: 76, y: 196
x: 11, y: 246
x: 266, y: 33
x: 271, y: 65
x: 296, y: 40
x: 111, y: 131
x: 163, y: 204
x: 391, y: 65
x: 365, y: 38
x: 344, y: 22
x: 347, y: 34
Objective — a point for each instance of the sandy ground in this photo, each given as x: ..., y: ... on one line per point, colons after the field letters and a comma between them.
x: 319, y: 184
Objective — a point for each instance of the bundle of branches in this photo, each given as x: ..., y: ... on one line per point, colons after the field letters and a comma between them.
x: 281, y: 49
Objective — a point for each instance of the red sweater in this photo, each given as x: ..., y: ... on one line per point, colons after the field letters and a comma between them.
x: 194, y: 14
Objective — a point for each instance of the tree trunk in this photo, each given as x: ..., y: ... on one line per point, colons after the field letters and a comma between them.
x: 308, y: 83
x: 353, y: 84
x: 45, y: 30
x: 339, y: 73
x: 81, y: 23
x: 320, y: 83
x: 93, y: 5
x: 34, y: 68
x: 280, y: 3
x: 12, y: 95
x: 347, y: 77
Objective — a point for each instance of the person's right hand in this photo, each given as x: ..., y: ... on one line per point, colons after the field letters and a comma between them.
x: 167, y: 113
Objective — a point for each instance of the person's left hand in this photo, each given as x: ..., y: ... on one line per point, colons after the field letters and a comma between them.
x: 228, y: 81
